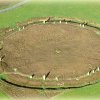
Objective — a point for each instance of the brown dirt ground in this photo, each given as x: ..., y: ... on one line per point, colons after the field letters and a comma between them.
x: 34, y: 50
x: 64, y: 50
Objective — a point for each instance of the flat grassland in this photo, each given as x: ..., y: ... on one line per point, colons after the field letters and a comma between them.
x: 91, y: 92
x: 6, y: 3
x: 89, y: 12
x: 4, y: 95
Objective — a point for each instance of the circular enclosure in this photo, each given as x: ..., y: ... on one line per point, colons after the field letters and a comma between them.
x: 51, y: 54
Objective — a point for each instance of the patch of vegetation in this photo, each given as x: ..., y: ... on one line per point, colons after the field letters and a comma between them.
x: 6, y: 4
x: 2, y: 76
x: 98, y: 33
x: 86, y: 92
x: 84, y: 11
x: 3, y: 95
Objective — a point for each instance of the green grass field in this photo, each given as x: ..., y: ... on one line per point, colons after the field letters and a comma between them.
x: 4, y: 4
x: 90, y: 12
x: 86, y: 11
x: 4, y: 96
x: 86, y: 92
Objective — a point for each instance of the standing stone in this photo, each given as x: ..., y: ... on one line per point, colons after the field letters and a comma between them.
x: 19, y: 29
x: 44, y: 77
x: 56, y: 78
x: 53, y: 22
x: 80, y: 25
x: 15, y: 69
x: 60, y: 21
x: 23, y: 27
x: 30, y: 77
x: 98, y: 69
x: 1, y: 45
x: 66, y: 23
x: 88, y: 74
x: 83, y: 25
x: 93, y: 71
x: 44, y: 22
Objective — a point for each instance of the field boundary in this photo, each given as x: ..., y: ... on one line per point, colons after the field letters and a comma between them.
x: 51, y: 88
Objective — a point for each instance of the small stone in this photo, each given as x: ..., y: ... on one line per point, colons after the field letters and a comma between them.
x: 77, y: 79
x: 58, y: 51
